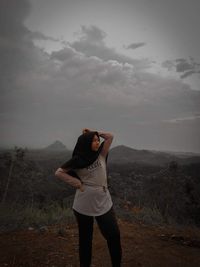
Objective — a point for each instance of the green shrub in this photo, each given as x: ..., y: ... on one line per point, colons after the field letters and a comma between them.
x: 150, y: 216
x: 17, y: 216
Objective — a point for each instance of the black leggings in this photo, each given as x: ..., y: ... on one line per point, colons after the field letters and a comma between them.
x: 109, y: 228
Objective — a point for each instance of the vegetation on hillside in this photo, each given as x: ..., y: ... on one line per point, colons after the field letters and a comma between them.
x: 30, y: 194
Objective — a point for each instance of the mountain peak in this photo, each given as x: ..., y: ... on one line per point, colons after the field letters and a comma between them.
x: 57, y: 145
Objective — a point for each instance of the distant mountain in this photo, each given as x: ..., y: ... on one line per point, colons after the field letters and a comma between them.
x: 56, y: 146
x: 123, y: 154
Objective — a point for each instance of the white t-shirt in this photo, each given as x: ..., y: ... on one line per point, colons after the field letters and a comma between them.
x: 95, y: 200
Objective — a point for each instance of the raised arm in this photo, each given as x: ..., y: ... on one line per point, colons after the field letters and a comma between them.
x: 73, y: 181
x: 108, y: 138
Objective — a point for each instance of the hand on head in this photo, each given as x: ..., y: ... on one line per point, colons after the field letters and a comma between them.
x: 85, y: 130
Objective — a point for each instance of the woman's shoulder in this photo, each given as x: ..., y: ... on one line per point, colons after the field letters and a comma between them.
x: 102, y: 157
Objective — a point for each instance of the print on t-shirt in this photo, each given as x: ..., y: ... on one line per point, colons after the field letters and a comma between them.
x: 94, y: 165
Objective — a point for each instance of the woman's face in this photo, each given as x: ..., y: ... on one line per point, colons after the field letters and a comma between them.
x: 95, y: 143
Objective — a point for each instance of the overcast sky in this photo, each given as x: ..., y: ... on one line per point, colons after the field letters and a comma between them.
x: 129, y: 67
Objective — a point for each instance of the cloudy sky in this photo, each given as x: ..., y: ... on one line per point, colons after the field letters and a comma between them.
x: 130, y: 67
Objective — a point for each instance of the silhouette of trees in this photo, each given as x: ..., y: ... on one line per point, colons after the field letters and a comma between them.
x: 12, y: 160
x: 27, y: 177
x: 173, y: 190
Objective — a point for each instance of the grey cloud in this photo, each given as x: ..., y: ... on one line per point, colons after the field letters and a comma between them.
x: 12, y: 16
x: 135, y: 45
x: 91, y: 43
x: 188, y: 73
x: 40, y: 36
x: 46, y: 97
x: 182, y: 119
x: 92, y: 34
x: 169, y: 64
x: 183, y: 65
x: 179, y: 136
x: 113, y: 83
x: 101, y: 81
x: 17, y: 51
x: 186, y: 67
x: 65, y: 54
x: 173, y: 120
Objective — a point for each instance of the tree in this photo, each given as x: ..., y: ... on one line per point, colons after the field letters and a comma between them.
x: 11, y: 160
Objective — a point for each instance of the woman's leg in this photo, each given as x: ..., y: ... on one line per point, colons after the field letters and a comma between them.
x: 85, y: 227
x: 109, y: 228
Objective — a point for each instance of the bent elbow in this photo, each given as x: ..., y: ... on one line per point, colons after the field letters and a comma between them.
x: 57, y: 172
x: 111, y: 135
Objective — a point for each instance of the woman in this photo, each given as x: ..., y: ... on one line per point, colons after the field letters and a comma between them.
x: 86, y: 171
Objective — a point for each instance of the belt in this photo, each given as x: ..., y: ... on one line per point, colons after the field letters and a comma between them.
x: 105, y: 188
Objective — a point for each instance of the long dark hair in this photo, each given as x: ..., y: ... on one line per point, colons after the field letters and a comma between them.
x: 83, y: 155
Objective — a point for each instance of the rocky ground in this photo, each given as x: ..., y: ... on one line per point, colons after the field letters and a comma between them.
x: 143, y: 245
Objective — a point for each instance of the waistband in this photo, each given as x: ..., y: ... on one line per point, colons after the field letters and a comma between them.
x: 105, y: 188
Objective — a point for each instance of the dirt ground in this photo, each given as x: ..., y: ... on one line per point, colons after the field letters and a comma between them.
x: 142, y: 245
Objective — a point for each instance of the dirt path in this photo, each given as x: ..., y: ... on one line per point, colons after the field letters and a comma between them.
x: 146, y: 246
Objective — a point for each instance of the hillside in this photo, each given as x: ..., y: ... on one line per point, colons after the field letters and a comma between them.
x: 142, y: 245
x: 146, y: 197
x: 124, y: 155
x: 117, y: 155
